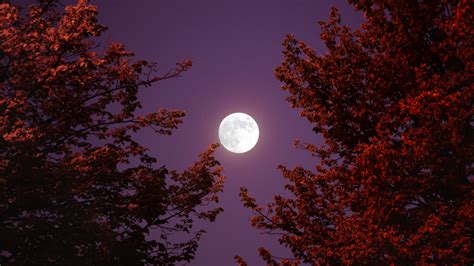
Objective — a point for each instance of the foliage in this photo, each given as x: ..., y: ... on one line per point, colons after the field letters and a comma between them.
x: 76, y: 188
x: 394, y: 103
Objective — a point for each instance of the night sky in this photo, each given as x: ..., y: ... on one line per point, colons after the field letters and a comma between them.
x: 234, y: 46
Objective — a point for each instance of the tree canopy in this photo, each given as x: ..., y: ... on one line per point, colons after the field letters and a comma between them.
x: 393, y: 101
x: 76, y: 186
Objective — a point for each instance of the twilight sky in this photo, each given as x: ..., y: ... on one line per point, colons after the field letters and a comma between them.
x: 234, y: 46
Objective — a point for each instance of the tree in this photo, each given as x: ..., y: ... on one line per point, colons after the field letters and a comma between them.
x: 76, y: 187
x: 394, y: 103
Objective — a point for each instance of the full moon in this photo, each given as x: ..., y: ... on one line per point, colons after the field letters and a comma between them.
x: 238, y: 132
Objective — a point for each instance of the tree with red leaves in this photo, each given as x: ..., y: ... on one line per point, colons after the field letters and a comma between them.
x: 76, y: 188
x: 394, y: 103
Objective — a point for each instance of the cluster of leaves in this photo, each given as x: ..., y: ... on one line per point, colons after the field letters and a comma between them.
x: 394, y: 103
x: 76, y: 188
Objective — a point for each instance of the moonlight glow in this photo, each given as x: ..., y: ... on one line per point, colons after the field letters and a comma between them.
x: 238, y: 132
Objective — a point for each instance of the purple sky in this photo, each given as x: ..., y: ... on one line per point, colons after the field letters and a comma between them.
x: 234, y: 46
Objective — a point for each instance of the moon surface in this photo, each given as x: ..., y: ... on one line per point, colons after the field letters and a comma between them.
x: 238, y: 132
